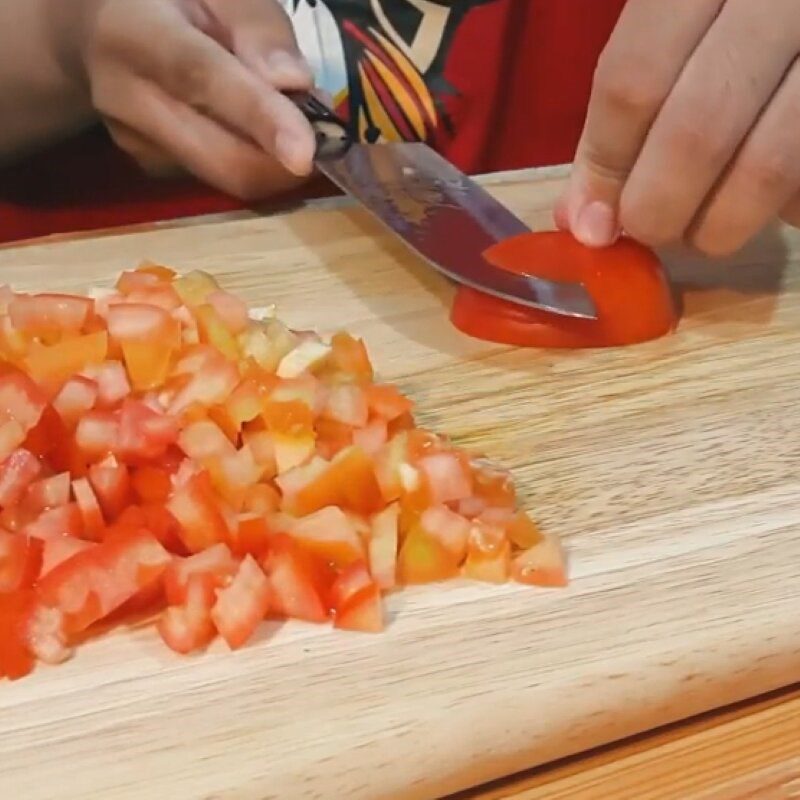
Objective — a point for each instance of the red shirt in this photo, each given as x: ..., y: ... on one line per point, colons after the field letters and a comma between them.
x: 492, y: 84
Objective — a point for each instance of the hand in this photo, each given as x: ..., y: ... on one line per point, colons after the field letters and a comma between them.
x: 198, y: 83
x: 692, y: 128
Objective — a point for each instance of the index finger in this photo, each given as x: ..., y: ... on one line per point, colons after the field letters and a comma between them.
x: 194, y: 68
x: 636, y: 73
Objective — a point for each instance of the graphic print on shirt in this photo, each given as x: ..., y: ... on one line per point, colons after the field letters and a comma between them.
x: 382, y: 61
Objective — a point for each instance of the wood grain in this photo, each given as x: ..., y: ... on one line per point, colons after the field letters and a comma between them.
x: 670, y: 469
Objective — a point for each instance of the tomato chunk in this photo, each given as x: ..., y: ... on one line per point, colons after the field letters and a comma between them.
x: 627, y: 282
x: 357, y: 600
x: 242, y: 605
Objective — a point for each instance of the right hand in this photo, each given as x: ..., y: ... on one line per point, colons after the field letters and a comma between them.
x: 198, y: 85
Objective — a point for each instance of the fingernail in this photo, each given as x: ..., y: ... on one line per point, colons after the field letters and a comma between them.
x: 293, y: 153
x: 596, y: 225
x: 283, y: 67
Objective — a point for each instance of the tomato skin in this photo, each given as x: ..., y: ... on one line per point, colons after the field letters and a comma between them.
x: 16, y: 612
x: 627, y: 282
x: 20, y: 561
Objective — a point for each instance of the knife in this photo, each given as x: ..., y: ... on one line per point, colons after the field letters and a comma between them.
x: 442, y: 215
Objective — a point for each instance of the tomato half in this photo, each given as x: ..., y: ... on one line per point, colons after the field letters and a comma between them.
x: 627, y: 282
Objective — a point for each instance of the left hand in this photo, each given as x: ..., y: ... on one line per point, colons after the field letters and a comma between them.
x: 693, y: 128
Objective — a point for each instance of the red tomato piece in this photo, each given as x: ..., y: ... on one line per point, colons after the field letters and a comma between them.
x: 301, y: 582
x: 20, y: 561
x: 230, y: 309
x: 349, y: 356
x: 261, y: 499
x: 188, y: 627
x: 329, y: 534
x: 382, y: 544
x: 143, y: 432
x: 451, y: 530
x: 544, y: 564
x: 151, y: 484
x: 198, y: 513
x: 523, y: 531
x: 97, y: 434
x: 49, y: 316
x: 372, y: 437
x: 488, y: 554
x: 52, y: 365
x: 77, y: 396
x: 210, y: 385
x: 61, y: 521
x: 47, y: 493
x: 216, y: 563
x: 387, y: 402
x: 424, y: 559
x: 111, y: 381
x: 627, y: 282
x: 91, y: 514
x: 136, y: 281
x: 21, y: 400
x: 57, y: 549
x: 357, y: 604
x: 17, y: 611
x: 17, y: 473
x: 252, y: 535
x: 204, y: 439
x: 112, y: 487
x: 139, y: 322
x: 448, y: 477
x: 93, y: 583
x: 243, y: 604
x: 347, y: 403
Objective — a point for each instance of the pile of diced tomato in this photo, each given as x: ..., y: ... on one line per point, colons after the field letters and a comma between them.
x: 164, y: 451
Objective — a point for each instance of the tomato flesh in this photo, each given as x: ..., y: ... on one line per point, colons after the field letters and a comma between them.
x: 626, y: 281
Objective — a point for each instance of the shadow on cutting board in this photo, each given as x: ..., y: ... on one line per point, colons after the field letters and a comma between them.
x: 716, y: 295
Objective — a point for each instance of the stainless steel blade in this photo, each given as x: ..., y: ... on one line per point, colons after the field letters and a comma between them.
x: 447, y: 219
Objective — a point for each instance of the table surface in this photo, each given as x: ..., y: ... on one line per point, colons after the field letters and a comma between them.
x: 751, y: 750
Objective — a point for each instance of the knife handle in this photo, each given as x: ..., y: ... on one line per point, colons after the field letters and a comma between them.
x: 333, y: 134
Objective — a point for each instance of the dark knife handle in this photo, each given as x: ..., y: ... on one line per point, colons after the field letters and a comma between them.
x: 333, y: 134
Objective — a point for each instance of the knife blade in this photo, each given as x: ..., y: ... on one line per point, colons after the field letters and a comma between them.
x: 440, y: 213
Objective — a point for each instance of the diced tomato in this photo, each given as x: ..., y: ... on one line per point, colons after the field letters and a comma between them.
x: 349, y: 481
x: 156, y: 519
x: 448, y: 478
x: 383, y: 544
x: 49, y: 316
x: 151, y: 484
x: 112, y: 487
x: 47, y: 493
x: 97, y: 433
x: 141, y: 322
x: 17, y: 610
x: 347, y: 403
x: 451, y: 530
x: 93, y: 583
x: 210, y: 385
x: 372, y: 437
x: 61, y: 521
x: 488, y: 554
x: 494, y: 487
x: 52, y: 365
x: 262, y: 446
x: 12, y: 436
x: 387, y: 402
x: 21, y: 400
x: 111, y: 381
x: 424, y: 559
x: 194, y: 287
x: 161, y: 272
x: 231, y: 310
x: 17, y: 473
x: 20, y: 561
x: 261, y: 499
x: 242, y: 605
x: 91, y: 514
x: 329, y: 534
x: 188, y: 627
x: 136, y: 281
x: 251, y: 536
x: 198, y: 514
x: 301, y: 582
x: 356, y: 599
x: 143, y: 432
x: 77, y: 396
x: 204, y: 439
x: 332, y: 437
x: 217, y: 563
x: 523, y: 531
x: 544, y: 564
x: 349, y: 356
x: 57, y: 549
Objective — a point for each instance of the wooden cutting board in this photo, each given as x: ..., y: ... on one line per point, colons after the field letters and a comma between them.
x: 671, y: 469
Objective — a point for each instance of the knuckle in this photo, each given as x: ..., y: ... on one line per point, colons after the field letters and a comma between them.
x: 644, y: 226
x: 769, y: 173
x: 627, y: 85
x: 190, y: 78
